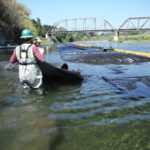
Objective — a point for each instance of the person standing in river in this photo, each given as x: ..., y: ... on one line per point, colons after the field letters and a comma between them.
x: 27, y: 55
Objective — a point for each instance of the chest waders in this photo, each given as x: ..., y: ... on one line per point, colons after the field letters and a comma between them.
x: 25, y: 55
x: 30, y: 74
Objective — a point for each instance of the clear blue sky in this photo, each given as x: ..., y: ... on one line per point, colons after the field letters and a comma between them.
x: 115, y: 11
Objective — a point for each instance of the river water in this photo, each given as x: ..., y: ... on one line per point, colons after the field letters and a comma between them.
x: 98, y: 114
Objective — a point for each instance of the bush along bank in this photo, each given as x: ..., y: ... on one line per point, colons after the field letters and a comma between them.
x: 139, y: 37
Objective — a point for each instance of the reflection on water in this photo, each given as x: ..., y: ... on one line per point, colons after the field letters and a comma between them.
x: 94, y: 115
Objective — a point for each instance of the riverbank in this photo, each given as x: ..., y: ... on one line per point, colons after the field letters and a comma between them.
x: 110, y: 38
x: 138, y: 37
x: 46, y: 42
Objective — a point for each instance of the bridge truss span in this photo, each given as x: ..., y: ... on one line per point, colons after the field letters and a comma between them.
x: 135, y: 23
x: 87, y: 25
x: 82, y: 25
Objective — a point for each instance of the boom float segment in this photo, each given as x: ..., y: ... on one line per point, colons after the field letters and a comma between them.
x: 131, y: 52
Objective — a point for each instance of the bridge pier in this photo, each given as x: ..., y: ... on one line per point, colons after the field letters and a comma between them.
x: 116, y: 37
x: 47, y: 36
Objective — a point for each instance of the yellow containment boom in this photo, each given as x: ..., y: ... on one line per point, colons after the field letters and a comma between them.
x: 117, y: 50
x: 131, y: 52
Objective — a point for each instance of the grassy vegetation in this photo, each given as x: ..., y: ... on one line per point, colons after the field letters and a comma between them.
x: 46, y: 42
x: 102, y: 37
x: 140, y: 37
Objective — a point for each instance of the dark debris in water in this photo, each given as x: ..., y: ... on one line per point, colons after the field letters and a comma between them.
x: 135, y: 87
x: 99, y: 56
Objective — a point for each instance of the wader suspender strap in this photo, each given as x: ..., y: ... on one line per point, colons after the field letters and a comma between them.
x: 26, y: 51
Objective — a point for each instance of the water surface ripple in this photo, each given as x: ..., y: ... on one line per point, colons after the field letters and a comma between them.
x: 110, y: 109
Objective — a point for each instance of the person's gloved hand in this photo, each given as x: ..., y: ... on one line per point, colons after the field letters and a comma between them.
x: 9, y: 66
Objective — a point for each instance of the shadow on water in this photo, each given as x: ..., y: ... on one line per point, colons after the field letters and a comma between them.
x: 56, y: 141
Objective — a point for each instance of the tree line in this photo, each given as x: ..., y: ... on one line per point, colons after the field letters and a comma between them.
x: 14, y: 17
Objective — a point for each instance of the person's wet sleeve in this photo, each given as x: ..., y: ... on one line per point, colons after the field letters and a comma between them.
x: 13, y: 58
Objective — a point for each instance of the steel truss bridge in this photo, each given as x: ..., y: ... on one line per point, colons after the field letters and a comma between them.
x: 96, y: 25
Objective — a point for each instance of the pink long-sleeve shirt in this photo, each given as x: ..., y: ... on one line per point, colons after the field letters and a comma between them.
x: 37, y: 54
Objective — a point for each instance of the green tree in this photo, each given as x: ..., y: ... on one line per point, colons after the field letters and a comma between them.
x: 46, y: 29
x: 14, y: 17
x: 38, y: 26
